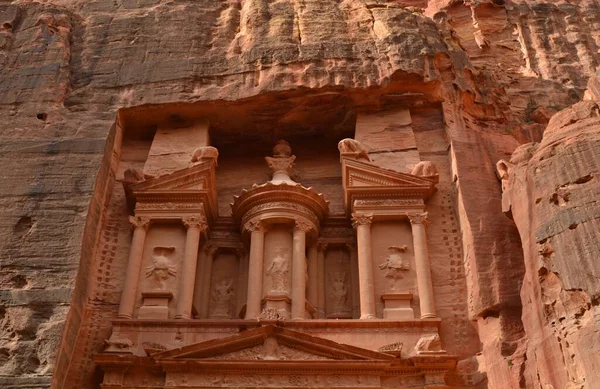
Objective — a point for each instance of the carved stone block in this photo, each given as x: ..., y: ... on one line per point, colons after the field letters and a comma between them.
x: 155, y: 305
x: 397, y: 306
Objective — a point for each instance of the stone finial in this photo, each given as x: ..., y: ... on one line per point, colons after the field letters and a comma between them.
x: 425, y: 169
x: 282, y: 163
x: 354, y: 149
x: 205, y: 154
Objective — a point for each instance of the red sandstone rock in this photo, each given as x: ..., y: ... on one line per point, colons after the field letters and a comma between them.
x: 469, y: 73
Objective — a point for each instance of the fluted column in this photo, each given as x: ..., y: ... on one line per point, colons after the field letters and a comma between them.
x: 313, y: 276
x: 255, y: 269
x: 134, y: 266
x: 422, y: 267
x: 206, y: 278
x: 195, y: 225
x: 354, y: 276
x: 299, y: 270
x: 362, y: 223
x: 321, y: 248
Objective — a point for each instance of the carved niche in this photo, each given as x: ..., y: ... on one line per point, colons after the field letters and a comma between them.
x: 223, y: 285
x: 339, y: 283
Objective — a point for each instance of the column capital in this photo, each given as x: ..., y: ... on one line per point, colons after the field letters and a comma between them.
x: 210, y: 249
x: 361, y: 220
x: 418, y: 218
x: 140, y: 221
x: 301, y: 225
x: 255, y: 225
x: 321, y: 245
x: 198, y: 222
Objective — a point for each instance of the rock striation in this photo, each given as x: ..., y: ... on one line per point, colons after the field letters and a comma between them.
x: 479, y: 77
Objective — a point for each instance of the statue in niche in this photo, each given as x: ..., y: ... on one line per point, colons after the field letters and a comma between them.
x: 221, y: 297
x: 339, y: 293
x: 161, y: 268
x: 278, y: 271
x: 394, y: 265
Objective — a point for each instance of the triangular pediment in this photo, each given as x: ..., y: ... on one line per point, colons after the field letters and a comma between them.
x: 364, y: 174
x: 365, y: 180
x: 271, y: 343
x: 196, y: 178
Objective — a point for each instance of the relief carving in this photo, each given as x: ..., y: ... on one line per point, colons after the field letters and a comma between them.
x: 418, y: 218
x: 271, y: 313
x: 394, y: 265
x: 425, y: 169
x: 221, y: 297
x: 198, y: 222
x: 139, y: 221
x: 395, y: 347
x: 429, y: 344
x: 205, y: 153
x: 353, y: 147
x: 339, y: 294
x: 361, y: 220
x: 278, y: 271
x: 161, y: 269
x: 118, y: 345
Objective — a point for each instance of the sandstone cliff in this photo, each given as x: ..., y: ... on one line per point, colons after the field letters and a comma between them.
x: 498, y: 69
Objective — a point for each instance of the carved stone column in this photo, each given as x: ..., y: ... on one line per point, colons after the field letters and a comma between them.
x: 354, y: 277
x: 422, y: 267
x: 321, y: 248
x: 195, y: 225
x: 206, y: 278
x: 313, y: 276
x: 242, y: 285
x: 299, y: 270
x: 362, y: 223
x: 134, y: 266
x: 255, y: 269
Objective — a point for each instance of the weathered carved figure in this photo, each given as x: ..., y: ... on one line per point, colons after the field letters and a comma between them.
x: 353, y: 147
x: 338, y: 292
x: 161, y: 269
x: 221, y: 297
x: 425, y: 169
x: 394, y: 265
x: 278, y: 271
x: 205, y: 153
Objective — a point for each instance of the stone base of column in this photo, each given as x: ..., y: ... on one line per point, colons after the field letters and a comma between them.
x: 281, y: 302
x: 155, y: 305
x: 397, y: 306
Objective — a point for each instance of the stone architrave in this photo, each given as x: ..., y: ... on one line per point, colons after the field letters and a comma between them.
x: 362, y: 223
x: 195, y: 225
x: 134, y: 266
x: 424, y: 283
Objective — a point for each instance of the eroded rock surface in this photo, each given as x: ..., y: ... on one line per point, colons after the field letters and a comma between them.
x: 493, y: 71
x: 551, y: 192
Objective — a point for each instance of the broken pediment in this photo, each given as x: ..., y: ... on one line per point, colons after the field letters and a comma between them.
x: 271, y: 343
x: 364, y: 180
x: 192, y: 188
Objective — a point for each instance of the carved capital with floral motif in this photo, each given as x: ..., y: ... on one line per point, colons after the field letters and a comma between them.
x: 303, y: 226
x: 418, y: 218
x: 140, y: 221
x: 321, y: 245
x: 198, y: 222
x: 255, y: 225
x: 361, y: 220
